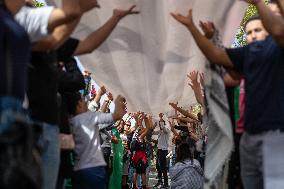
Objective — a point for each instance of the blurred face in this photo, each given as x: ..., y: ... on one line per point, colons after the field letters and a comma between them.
x: 255, y: 31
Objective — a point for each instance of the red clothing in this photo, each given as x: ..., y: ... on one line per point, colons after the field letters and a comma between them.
x: 241, y: 121
x: 139, y: 155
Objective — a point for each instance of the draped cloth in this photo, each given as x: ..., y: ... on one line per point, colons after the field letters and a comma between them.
x: 220, y: 135
x: 147, y: 56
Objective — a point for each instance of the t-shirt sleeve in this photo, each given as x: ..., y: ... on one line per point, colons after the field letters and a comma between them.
x: 101, y: 118
x: 237, y: 56
x: 35, y: 21
x: 66, y: 51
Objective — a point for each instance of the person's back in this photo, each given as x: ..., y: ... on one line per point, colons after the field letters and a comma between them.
x: 187, y: 174
x: 87, y: 140
x: 89, y: 166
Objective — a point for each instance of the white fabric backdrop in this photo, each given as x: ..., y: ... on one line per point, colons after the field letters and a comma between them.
x: 147, y: 56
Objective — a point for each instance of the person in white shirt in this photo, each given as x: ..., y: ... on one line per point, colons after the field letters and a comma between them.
x: 40, y: 22
x: 163, y: 145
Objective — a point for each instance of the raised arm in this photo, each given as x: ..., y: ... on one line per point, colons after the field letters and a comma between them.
x: 172, y: 125
x: 183, y: 112
x: 120, y: 108
x: 69, y: 12
x: 214, y: 54
x: 273, y: 23
x: 95, y: 39
x: 107, y: 102
x: 62, y: 32
x: 196, y: 87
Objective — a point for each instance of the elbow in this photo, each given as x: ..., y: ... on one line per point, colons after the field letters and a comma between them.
x: 214, y: 57
x: 74, y: 14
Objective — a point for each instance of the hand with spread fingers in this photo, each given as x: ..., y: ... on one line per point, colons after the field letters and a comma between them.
x: 120, y: 108
x: 185, y: 20
x: 208, y: 29
x: 120, y: 13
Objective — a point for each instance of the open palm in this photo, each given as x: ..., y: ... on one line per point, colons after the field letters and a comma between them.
x: 120, y: 13
x: 185, y: 20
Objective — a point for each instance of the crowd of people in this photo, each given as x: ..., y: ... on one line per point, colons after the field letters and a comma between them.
x: 54, y: 124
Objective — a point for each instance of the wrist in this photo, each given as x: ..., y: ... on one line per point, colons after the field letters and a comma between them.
x: 116, y: 17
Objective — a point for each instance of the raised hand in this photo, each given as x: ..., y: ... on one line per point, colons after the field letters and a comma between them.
x: 208, y: 29
x: 109, y: 96
x: 120, y: 13
x: 102, y: 90
x: 185, y: 20
x: 174, y: 105
x: 193, y: 76
x: 120, y: 108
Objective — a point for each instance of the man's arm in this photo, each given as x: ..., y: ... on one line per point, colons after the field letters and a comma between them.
x: 69, y: 12
x: 183, y: 112
x: 95, y: 39
x: 281, y: 6
x: 273, y: 23
x: 214, y: 54
x: 62, y: 32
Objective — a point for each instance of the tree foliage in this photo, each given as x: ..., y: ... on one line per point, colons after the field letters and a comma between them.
x: 37, y: 4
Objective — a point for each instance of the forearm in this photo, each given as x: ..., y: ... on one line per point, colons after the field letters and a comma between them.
x: 95, y: 39
x: 144, y: 133
x: 281, y: 5
x: 185, y: 113
x: 273, y: 23
x: 187, y: 119
x: 57, y: 38
x: 174, y: 132
x: 231, y: 78
x: 214, y: 54
x: 98, y: 98
x: 62, y: 16
x: 105, y: 106
x: 198, y: 93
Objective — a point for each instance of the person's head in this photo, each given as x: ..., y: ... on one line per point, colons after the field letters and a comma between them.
x: 274, y: 7
x: 76, y: 103
x: 184, y: 152
x: 254, y: 30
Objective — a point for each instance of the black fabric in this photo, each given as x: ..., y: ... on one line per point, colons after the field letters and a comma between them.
x: 162, y: 160
x: 141, y: 167
x: 71, y: 80
x: 43, y: 82
x: 15, y: 46
x: 65, y: 52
